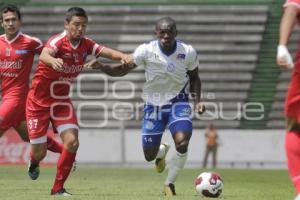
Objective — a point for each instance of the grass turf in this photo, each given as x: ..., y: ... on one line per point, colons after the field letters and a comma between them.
x: 139, y: 184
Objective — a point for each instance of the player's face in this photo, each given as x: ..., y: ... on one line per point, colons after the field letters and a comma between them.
x: 11, y: 23
x: 166, y: 35
x: 76, y: 27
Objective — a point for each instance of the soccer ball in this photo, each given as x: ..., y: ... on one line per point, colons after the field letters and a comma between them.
x: 209, y: 184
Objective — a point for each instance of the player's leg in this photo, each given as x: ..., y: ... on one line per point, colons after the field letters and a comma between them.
x: 152, y: 130
x: 37, y: 119
x: 292, y: 147
x: 65, y: 122
x: 180, y: 125
x: 69, y: 137
x: 52, y: 144
x: 8, y: 115
x: 22, y: 131
x: 292, y: 140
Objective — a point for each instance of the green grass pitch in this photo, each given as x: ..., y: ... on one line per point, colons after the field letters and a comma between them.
x: 90, y: 183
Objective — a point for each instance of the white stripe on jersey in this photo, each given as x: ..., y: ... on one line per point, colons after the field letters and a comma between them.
x: 11, y: 41
x: 56, y: 39
x: 35, y: 39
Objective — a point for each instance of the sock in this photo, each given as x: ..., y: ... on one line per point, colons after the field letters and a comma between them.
x: 64, y: 166
x: 53, y: 145
x: 176, y: 164
x: 292, y: 148
x: 162, y: 151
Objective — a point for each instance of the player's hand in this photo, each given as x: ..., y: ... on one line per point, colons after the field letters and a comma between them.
x: 93, y: 64
x: 58, y: 64
x: 200, y: 108
x: 127, y: 59
x: 284, y: 58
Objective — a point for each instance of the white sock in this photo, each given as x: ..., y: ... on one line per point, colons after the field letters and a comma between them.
x: 176, y: 164
x: 162, y: 151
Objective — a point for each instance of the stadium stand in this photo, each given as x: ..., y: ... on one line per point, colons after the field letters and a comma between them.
x: 227, y: 38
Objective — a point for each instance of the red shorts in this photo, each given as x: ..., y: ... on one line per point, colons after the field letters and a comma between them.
x: 61, y: 115
x: 12, y: 113
x: 292, y: 101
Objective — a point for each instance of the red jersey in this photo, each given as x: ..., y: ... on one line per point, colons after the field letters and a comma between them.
x: 16, y: 59
x: 50, y: 86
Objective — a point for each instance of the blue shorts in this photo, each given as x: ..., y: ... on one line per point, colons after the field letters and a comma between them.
x: 177, y: 116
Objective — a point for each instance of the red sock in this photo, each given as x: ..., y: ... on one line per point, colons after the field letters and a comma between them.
x: 292, y: 148
x: 64, y: 166
x: 53, y: 145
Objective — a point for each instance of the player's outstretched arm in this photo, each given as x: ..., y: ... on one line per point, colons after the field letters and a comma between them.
x: 110, y: 69
x: 115, y: 55
x: 195, y: 90
x: 47, y: 57
x: 284, y: 58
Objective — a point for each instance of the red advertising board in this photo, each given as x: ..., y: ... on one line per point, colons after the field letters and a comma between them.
x: 15, y: 151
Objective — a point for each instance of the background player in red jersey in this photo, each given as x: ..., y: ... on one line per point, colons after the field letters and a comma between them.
x: 292, y: 105
x: 62, y: 59
x: 17, y: 52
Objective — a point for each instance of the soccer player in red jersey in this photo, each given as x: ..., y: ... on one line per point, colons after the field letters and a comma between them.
x: 62, y: 59
x: 291, y: 16
x: 17, y: 52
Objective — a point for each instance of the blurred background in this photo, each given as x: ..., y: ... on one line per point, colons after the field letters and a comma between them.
x: 242, y: 87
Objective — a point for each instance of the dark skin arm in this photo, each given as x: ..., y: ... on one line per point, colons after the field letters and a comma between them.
x: 195, y: 90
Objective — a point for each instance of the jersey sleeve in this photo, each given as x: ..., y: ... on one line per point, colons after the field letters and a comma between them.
x: 292, y: 2
x: 54, y: 43
x: 37, y: 45
x: 94, y: 49
x: 192, y: 59
x: 139, y: 55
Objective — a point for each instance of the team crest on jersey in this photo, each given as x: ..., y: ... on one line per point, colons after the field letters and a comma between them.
x: 171, y: 67
x: 21, y: 51
x: 180, y: 56
x: 7, y: 52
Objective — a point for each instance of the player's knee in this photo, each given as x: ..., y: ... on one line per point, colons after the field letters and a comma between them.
x: 182, y: 146
x: 72, y: 145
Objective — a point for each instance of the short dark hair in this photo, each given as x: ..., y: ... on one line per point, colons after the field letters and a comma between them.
x: 10, y: 8
x: 75, y: 11
x: 170, y: 21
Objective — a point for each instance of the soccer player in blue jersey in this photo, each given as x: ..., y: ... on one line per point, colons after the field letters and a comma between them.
x: 171, y: 69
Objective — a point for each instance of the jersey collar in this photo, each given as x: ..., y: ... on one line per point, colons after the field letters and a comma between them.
x: 167, y: 54
x: 14, y: 39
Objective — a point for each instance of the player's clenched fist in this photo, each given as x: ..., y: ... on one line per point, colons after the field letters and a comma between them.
x: 284, y: 58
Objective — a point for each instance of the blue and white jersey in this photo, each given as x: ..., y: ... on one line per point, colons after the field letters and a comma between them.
x: 166, y: 75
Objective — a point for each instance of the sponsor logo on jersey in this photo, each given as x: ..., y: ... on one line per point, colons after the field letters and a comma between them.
x: 180, y: 56
x: 185, y: 112
x: 21, y: 51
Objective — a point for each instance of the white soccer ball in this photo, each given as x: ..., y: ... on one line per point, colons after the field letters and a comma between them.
x: 209, y: 184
